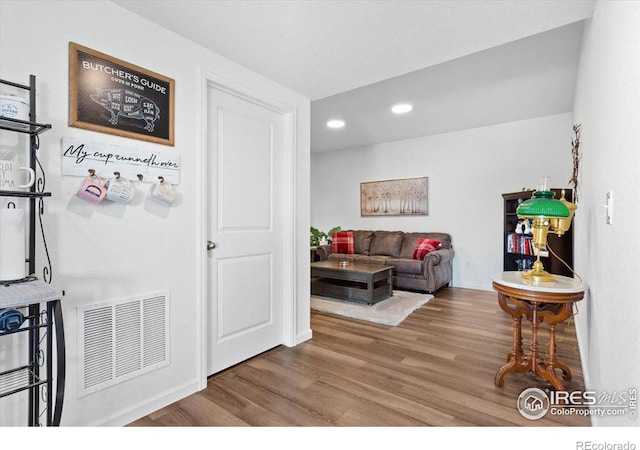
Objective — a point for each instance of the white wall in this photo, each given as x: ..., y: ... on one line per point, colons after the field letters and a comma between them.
x: 468, y: 171
x: 607, y: 105
x: 107, y: 252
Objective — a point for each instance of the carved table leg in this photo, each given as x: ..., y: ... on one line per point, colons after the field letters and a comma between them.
x: 554, y: 317
x: 537, y: 367
x: 516, y: 346
x: 516, y: 360
x: 547, y: 371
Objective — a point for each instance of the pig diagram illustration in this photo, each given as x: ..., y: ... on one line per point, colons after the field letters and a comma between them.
x: 126, y: 103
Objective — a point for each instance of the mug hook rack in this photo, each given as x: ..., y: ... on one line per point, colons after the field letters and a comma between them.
x: 132, y: 163
x: 117, y: 174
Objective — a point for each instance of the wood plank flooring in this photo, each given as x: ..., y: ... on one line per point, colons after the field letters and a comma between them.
x: 434, y: 369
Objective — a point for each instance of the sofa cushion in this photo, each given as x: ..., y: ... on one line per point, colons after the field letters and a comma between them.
x: 410, y: 242
x: 386, y: 243
x: 402, y: 265
x: 373, y: 259
x: 342, y: 257
x: 424, y: 247
x: 362, y: 241
x: 342, y: 242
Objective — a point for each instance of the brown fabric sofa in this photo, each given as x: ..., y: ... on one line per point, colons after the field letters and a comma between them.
x: 396, y: 248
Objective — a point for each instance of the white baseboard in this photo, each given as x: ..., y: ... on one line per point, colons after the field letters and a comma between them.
x: 148, y: 406
x: 583, y: 357
x: 304, y: 336
x: 586, y: 377
x: 478, y: 287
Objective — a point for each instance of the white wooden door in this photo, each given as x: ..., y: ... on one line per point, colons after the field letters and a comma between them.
x: 245, y: 215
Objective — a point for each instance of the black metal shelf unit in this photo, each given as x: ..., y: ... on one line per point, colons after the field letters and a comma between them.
x: 31, y: 294
x: 22, y: 126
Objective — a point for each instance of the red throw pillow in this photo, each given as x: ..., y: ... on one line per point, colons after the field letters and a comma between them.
x: 436, y: 243
x: 424, y: 247
x: 342, y: 242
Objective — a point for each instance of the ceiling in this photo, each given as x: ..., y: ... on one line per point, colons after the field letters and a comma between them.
x: 524, y: 79
x: 323, y: 48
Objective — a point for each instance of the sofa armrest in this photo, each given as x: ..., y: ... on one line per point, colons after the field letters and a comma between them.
x: 438, y: 256
x: 323, y: 252
x: 437, y: 268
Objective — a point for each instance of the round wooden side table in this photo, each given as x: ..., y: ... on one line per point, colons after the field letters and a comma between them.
x: 537, y: 302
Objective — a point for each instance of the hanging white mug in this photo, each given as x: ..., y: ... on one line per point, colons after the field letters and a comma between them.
x: 10, y: 176
x: 163, y: 192
x: 120, y: 190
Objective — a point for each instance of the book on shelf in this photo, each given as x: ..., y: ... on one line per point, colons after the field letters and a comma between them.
x: 522, y: 244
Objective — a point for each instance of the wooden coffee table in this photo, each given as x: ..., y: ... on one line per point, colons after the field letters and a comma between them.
x: 356, y: 282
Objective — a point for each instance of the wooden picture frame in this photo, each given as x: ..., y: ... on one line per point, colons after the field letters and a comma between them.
x: 112, y: 96
x: 404, y: 197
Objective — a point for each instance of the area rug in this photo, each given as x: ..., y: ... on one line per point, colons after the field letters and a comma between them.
x: 387, y: 312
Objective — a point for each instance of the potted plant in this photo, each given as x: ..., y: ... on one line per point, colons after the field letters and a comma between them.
x: 320, y: 237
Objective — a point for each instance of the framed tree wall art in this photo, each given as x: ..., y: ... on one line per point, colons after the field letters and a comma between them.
x: 405, y: 197
x: 112, y: 96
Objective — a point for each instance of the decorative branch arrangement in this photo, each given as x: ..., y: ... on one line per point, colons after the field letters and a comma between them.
x: 575, y: 152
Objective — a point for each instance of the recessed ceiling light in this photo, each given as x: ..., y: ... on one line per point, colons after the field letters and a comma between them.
x: 401, y: 108
x: 335, y: 123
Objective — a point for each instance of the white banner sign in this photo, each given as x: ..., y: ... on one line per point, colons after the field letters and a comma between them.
x: 78, y: 156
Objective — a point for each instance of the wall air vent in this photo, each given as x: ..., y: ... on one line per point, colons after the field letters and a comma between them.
x: 122, y: 339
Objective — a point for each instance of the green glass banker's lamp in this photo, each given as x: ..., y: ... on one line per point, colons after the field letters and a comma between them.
x: 547, y: 215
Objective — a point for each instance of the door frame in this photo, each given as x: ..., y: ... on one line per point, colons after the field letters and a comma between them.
x: 211, y: 79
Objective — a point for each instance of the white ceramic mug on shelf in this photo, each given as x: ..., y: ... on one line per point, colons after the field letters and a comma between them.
x: 10, y: 176
x: 13, y: 106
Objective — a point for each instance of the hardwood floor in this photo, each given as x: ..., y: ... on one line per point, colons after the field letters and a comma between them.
x: 436, y: 368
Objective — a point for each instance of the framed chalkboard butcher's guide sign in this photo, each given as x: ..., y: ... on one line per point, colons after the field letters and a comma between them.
x: 112, y: 96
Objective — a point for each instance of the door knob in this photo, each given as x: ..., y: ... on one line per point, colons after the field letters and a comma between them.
x: 211, y: 245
